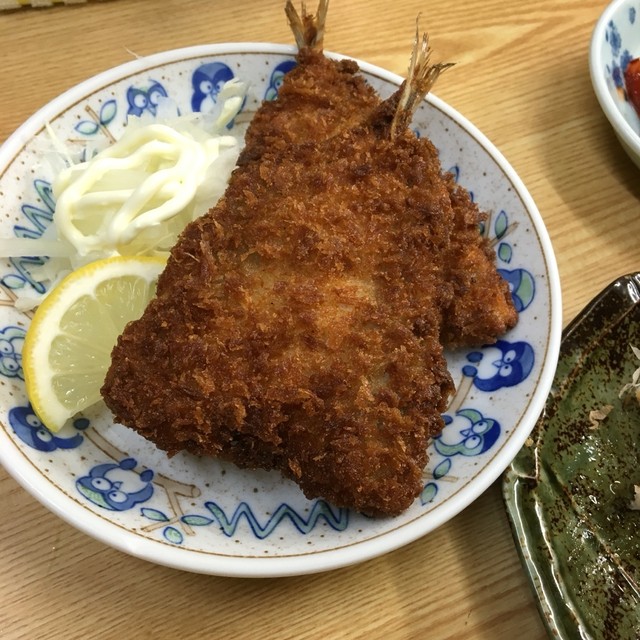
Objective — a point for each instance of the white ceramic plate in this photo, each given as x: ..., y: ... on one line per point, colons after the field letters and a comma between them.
x: 207, y: 516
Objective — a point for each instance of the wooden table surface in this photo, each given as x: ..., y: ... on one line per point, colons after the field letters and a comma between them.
x: 522, y: 78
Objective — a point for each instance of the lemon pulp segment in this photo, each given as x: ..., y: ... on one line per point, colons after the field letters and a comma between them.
x: 67, y: 350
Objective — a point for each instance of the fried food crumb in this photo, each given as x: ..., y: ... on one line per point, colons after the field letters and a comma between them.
x: 598, y: 415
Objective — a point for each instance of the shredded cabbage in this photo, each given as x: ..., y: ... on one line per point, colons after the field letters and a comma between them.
x: 136, y: 195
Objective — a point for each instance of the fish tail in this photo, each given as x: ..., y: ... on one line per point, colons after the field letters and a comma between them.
x: 421, y: 77
x: 308, y: 29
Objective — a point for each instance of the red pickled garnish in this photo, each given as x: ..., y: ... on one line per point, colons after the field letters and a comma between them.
x: 632, y: 83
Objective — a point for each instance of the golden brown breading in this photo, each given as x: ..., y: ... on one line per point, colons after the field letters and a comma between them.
x: 481, y: 309
x: 321, y: 97
x: 318, y: 98
x: 296, y: 326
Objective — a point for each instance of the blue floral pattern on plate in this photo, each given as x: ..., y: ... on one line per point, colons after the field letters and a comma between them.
x: 620, y: 56
x: 210, y: 508
x: 615, y: 41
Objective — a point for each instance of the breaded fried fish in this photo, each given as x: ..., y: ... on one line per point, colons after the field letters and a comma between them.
x: 297, y: 324
x: 321, y: 97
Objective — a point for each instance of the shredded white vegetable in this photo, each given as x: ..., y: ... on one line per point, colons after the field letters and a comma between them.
x: 135, y: 196
x: 147, y: 177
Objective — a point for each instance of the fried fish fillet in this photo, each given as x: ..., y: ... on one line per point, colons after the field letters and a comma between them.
x: 297, y: 324
x: 321, y: 97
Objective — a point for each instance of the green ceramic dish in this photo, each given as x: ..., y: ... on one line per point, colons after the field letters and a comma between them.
x: 568, y: 491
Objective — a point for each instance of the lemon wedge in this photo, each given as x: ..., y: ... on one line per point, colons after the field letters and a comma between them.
x: 67, y: 349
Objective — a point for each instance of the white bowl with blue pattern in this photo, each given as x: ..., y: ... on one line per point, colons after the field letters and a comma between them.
x: 614, y: 43
x: 206, y: 516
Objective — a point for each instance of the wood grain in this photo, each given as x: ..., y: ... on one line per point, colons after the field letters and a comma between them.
x: 522, y: 78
